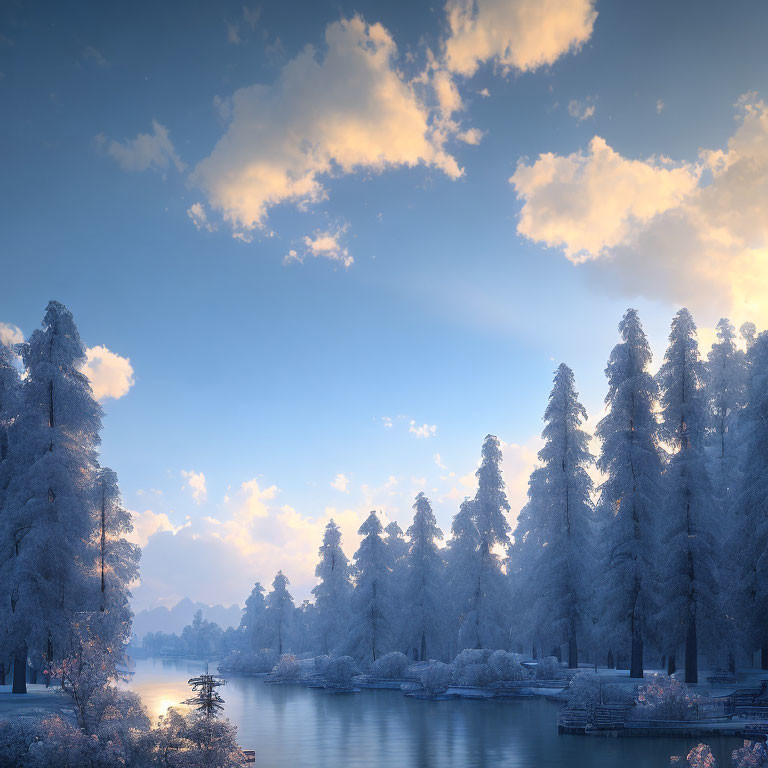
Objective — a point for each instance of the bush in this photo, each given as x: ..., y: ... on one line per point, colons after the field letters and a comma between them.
x: 250, y: 662
x: 436, y: 678
x: 664, y: 698
x: 505, y: 667
x: 389, y: 667
x: 471, y: 667
x: 587, y: 689
x: 340, y: 671
x: 288, y: 668
x: 548, y: 668
x: 321, y: 664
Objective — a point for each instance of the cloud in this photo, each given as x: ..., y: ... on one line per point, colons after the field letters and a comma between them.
x: 581, y: 110
x: 233, y: 34
x: 110, y: 374
x: 199, y: 218
x: 91, y: 54
x: 659, y: 107
x: 470, y: 136
x: 10, y: 334
x: 423, y: 430
x: 518, y: 35
x: 345, y: 111
x: 147, y: 151
x: 323, y: 244
x: 340, y: 483
x: 196, y: 483
x: 387, y: 421
x: 694, y: 234
x: 439, y: 461
x: 147, y: 523
x: 251, y: 16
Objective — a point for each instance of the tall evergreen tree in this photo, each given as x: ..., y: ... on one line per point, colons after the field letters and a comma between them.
x: 252, y: 620
x: 332, y: 594
x: 462, y: 573
x: 561, y: 520
x: 688, y: 570
x: 278, y: 616
x: 424, y: 625
x: 370, y: 634
x: 47, y: 520
x: 630, y: 496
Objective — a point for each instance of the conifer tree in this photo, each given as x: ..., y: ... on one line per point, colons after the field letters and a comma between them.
x: 424, y: 624
x: 560, y: 520
x: 252, y: 620
x: 279, y: 613
x: 688, y: 570
x: 630, y: 496
x: 333, y: 593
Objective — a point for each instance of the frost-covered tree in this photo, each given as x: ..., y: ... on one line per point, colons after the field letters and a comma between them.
x: 10, y: 400
x: 333, y: 593
x: 397, y: 548
x: 462, y: 571
x: 424, y: 604
x: 560, y: 515
x: 688, y: 568
x: 252, y: 620
x: 485, y: 592
x: 630, y: 497
x: 47, y: 520
x: 750, y: 544
x: 370, y: 632
x: 278, y: 615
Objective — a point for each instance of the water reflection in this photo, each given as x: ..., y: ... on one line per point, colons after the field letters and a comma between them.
x: 296, y: 726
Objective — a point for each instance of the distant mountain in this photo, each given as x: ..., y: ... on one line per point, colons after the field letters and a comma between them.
x: 174, y: 619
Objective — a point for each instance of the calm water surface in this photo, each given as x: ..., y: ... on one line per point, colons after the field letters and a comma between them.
x: 292, y: 726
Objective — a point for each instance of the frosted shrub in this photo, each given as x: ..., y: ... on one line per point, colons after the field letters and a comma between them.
x: 471, y: 667
x: 288, y: 668
x: 752, y: 755
x: 587, y: 689
x: 390, y: 667
x: 505, y: 667
x: 321, y: 664
x: 664, y: 698
x: 436, y: 678
x: 340, y: 671
x: 254, y: 662
x: 548, y: 668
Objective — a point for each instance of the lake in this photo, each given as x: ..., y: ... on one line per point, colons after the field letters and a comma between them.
x: 289, y: 725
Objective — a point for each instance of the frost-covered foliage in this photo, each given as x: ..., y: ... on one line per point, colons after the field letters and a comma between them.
x: 424, y: 619
x: 753, y: 754
x: 665, y: 698
x: 557, y: 527
x: 391, y: 666
x: 340, y: 671
x: 279, y: 613
x: 333, y: 593
x: 370, y: 633
x: 549, y: 668
x: 436, y: 678
x: 252, y: 621
x: 630, y: 496
x: 588, y: 689
x: 471, y: 667
x: 506, y: 667
x: 287, y: 668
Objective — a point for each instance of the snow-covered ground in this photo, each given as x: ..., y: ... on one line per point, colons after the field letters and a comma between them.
x: 37, y: 700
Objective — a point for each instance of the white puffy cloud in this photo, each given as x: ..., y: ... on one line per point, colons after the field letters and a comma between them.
x: 110, y: 374
x: 10, y: 334
x: 346, y: 111
x: 340, y: 483
x: 659, y: 107
x: 199, y: 218
x: 147, y: 523
x: 581, y: 110
x: 696, y: 234
x: 515, y: 34
x: 147, y: 151
x: 196, y: 484
x: 422, y: 430
x: 323, y: 244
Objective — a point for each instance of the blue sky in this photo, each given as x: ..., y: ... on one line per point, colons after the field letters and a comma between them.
x: 291, y: 264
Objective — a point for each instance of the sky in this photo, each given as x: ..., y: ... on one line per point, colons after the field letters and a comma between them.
x: 318, y: 251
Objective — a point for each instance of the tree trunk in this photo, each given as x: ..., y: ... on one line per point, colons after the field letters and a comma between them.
x: 2, y: 673
x: 556, y: 652
x: 534, y: 652
x: 573, y: 653
x: 636, y: 661
x: 33, y: 676
x: 731, y: 662
x: 610, y: 663
x: 423, y: 646
x: 671, y: 666
x: 20, y: 670
x: 691, y: 654
x: 764, y: 657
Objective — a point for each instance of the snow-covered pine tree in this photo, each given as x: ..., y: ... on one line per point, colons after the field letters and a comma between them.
x: 462, y: 574
x: 688, y: 569
x: 630, y: 496
x: 333, y: 593
x: 424, y: 614
x: 370, y: 632
x: 49, y: 502
x: 278, y: 616
x: 750, y: 544
x: 397, y: 549
x: 560, y: 514
x: 252, y: 620
x: 485, y: 624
